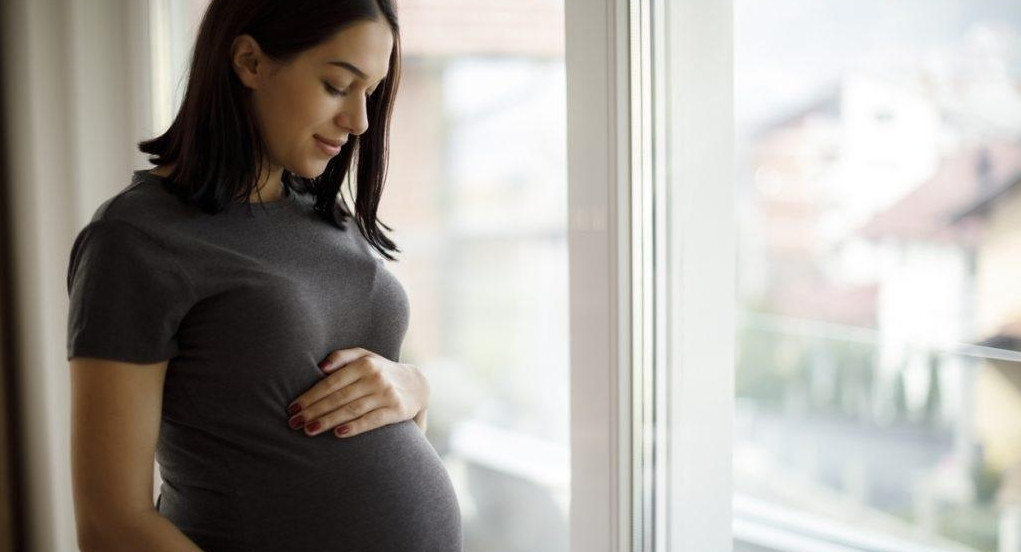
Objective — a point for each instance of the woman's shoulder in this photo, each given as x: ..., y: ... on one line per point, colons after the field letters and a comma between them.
x: 143, y: 204
x: 144, y: 209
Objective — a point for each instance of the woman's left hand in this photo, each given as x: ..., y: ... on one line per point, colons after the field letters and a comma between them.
x: 361, y: 392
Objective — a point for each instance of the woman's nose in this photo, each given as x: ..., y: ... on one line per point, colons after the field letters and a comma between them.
x: 356, y: 117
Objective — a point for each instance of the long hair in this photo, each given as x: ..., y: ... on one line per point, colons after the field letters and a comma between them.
x: 214, y: 142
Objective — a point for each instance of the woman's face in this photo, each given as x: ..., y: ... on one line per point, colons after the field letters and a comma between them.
x: 317, y: 99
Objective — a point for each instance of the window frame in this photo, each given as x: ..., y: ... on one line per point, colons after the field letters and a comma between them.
x: 690, y: 88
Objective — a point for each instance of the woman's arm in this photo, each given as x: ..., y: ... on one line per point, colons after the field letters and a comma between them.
x: 115, y: 419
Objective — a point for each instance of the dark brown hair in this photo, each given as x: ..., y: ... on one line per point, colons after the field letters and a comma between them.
x: 214, y: 141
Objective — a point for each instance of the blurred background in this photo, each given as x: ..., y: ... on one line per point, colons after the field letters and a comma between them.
x: 878, y: 384
x: 878, y: 389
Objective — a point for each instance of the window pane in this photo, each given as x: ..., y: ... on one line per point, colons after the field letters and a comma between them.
x: 173, y: 25
x: 878, y: 384
x: 477, y: 195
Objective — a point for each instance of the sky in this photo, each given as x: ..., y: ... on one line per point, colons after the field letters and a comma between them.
x: 788, y: 52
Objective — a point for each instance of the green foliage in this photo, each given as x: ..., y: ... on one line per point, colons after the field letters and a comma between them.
x: 900, y: 397
x: 934, y: 397
x: 971, y: 525
x: 987, y: 481
x: 771, y: 365
x: 759, y: 375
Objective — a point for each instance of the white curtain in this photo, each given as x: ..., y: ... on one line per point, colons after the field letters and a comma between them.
x: 76, y: 102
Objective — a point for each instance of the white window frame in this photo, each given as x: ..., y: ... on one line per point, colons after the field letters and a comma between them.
x: 693, y: 85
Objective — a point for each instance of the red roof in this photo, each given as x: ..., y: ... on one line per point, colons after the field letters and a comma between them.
x: 850, y: 305
x: 927, y: 213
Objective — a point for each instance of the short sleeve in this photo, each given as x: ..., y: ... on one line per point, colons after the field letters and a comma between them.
x: 127, y: 295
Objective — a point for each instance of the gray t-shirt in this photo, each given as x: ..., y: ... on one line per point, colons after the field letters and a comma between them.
x: 245, y: 304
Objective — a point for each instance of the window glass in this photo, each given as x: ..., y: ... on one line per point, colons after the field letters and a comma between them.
x: 878, y: 381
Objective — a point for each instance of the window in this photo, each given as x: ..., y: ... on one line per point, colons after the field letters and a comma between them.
x: 878, y: 388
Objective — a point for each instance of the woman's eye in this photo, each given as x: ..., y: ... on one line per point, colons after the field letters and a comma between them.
x: 333, y: 91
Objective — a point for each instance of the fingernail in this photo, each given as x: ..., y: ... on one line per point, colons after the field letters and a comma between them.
x: 343, y: 429
x: 324, y: 365
x: 312, y: 426
x: 296, y: 422
x: 294, y: 408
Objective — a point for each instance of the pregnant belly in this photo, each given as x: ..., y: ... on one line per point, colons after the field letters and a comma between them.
x: 384, y: 490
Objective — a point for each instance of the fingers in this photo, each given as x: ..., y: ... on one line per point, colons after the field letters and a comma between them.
x: 350, y: 412
x: 336, y: 400
x: 358, y: 398
x: 337, y: 359
x: 362, y: 406
x: 353, y: 370
x: 372, y: 420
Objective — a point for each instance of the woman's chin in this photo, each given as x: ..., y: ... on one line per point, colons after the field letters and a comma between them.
x: 310, y: 171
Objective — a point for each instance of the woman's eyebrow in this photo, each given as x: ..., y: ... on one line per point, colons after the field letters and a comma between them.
x: 350, y: 67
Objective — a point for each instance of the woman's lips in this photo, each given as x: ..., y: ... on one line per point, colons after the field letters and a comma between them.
x: 330, y: 147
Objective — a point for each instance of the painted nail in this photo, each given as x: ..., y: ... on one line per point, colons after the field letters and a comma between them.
x: 324, y: 365
x: 312, y: 426
x: 343, y: 429
x: 294, y: 408
x: 296, y: 422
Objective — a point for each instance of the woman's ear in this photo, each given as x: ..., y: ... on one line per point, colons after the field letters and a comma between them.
x: 247, y: 60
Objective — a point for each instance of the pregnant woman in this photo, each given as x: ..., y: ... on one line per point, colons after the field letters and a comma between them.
x: 228, y: 320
